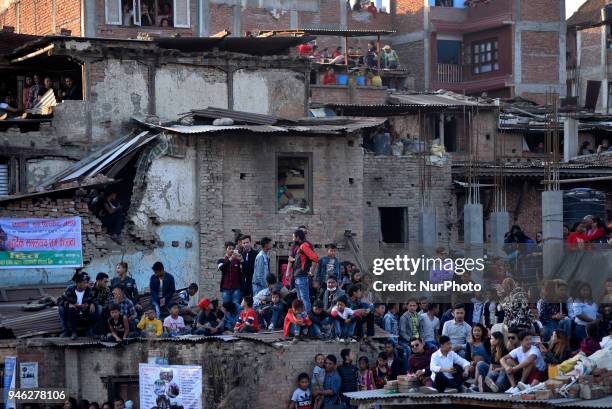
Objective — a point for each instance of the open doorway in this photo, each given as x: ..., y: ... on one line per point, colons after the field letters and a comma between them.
x: 393, y: 224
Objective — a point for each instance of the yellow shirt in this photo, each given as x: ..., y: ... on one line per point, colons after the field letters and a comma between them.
x: 376, y: 81
x: 152, y: 327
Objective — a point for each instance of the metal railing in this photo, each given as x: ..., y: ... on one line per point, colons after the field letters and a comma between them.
x: 449, y: 73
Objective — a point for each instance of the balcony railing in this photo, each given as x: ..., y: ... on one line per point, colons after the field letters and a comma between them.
x: 449, y: 73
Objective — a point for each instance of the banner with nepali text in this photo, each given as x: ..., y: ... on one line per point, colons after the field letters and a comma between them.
x: 40, y: 243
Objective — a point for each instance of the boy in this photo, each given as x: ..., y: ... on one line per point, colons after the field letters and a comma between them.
x: 321, y: 322
x: 184, y: 298
x: 301, y: 398
x: 349, y: 375
x: 174, y: 325
x: 208, y: 323
x: 444, y: 372
x: 247, y: 321
x: 318, y: 379
x: 231, y: 313
x: 118, y: 325
x: 344, y: 322
x: 328, y: 265
x: 277, y: 310
x: 296, y: 321
x: 150, y: 325
x: 390, y: 321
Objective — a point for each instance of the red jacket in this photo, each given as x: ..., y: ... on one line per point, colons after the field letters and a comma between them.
x: 247, y: 318
x: 290, y: 319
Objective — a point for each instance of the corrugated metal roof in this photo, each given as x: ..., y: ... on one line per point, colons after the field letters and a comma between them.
x: 473, y: 399
x: 199, y: 129
x: 9, y: 42
x: 331, y: 31
x: 243, y: 45
x: 436, y: 99
x: 236, y: 116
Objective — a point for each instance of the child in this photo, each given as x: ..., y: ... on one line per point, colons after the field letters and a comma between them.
x: 302, y: 397
x: 366, y: 381
x: 349, y: 375
x: 321, y: 323
x: 185, y: 298
x: 344, y: 322
x: 277, y: 308
x: 381, y: 372
x: 118, y: 324
x: 247, y: 322
x: 318, y: 377
x: 296, y: 321
x: 150, y: 325
x: 174, y: 325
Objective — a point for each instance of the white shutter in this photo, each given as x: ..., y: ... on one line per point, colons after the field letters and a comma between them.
x: 112, y: 11
x: 181, y: 14
x: 4, y: 179
x: 136, y: 4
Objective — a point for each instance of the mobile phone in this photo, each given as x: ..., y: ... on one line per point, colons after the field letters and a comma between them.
x: 535, y: 340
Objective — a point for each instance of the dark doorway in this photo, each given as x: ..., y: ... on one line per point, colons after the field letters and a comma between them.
x: 393, y: 224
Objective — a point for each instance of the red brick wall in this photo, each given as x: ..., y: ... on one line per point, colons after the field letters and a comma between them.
x: 220, y: 18
x: 540, y: 10
x: 109, y: 31
x: 409, y: 16
x: 540, y: 57
x: 495, y: 8
x: 504, y: 44
x: 36, y: 16
x: 253, y: 19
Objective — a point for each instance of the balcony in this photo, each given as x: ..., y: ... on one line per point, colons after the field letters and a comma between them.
x: 449, y: 73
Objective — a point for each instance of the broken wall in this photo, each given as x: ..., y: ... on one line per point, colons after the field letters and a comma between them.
x: 40, y: 169
x: 237, y: 186
x: 277, y: 92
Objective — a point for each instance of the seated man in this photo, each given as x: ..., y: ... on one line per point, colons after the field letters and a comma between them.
x: 78, y: 305
x: 126, y: 307
x: 419, y: 360
x: 184, y: 300
x: 363, y: 312
x: 446, y: 367
x: 524, y: 365
x: 208, y: 323
x: 321, y: 322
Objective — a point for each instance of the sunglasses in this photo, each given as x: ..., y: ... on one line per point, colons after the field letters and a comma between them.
x: 415, y: 345
x: 511, y: 337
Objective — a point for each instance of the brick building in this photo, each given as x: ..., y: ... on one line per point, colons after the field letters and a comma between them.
x: 502, y: 47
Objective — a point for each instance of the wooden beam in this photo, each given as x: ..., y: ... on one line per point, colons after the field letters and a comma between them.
x: 47, y: 49
x: 579, y: 180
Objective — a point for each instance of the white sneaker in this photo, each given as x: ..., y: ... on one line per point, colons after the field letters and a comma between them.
x: 522, y: 386
x: 492, y: 385
x: 512, y: 391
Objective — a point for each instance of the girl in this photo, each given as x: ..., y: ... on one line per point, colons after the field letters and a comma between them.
x: 558, y: 349
x: 551, y: 310
x: 381, y: 372
x: 493, y: 375
x: 606, y: 298
x: 478, y: 350
x: 366, y: 382
x: 584, y: 309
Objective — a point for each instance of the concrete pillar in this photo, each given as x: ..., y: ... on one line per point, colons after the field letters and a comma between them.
x: 72, y: 371
x: 570, y: 139
x: 441, y: 126
x: 552, y: 230
x: 500, y: 223
x: 428, y: 232
x: 472, y: 225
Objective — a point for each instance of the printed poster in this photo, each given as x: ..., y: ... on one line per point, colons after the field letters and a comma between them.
x: 9, y: 380
x: 170, y: 386
x: 28, y: 375
x: 40, y: 243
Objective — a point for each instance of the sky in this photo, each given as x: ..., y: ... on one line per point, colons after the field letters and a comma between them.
x: 571, y: 6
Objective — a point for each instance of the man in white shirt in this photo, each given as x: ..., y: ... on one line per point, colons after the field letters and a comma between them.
x: 524, y: 365
x: 444, y: 372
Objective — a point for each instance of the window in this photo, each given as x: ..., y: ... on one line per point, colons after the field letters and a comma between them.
x: 393, y: 224
x: 4, y: 178
x: 485, y: 57
x: 449, y: 51
x: 148, y: 13
x: 447, y: 3
x: 294, y: 183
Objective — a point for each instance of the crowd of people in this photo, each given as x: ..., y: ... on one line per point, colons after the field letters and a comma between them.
x: 501, y: 340
x: 34, y: 89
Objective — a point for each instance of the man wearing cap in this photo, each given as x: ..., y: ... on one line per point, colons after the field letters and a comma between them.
x: 78, y: 305
x: 208, y: 323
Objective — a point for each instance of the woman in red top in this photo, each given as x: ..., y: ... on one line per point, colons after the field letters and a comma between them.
x: 578, y: 238
x: 329, y: 78
x: 598, y: 232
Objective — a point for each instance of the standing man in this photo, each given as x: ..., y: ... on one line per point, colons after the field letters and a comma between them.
x: 331, y: 384
x: 261, y: 266
x: 162, y: 287
x: 248, y: 265
x: 230, y: 267
x: 34, y: 89
x: 305, y: 260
